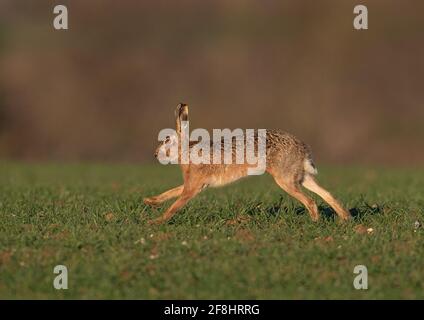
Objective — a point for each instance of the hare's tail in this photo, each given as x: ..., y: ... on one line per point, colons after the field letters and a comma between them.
x: 309, y: 166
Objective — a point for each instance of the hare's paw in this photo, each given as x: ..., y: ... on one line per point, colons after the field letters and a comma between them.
x: 345, y: 218
x: 315, y: 218
x: 151, y: 201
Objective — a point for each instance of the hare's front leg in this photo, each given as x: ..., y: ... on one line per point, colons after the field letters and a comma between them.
x: 186, y: 195
x: 172, y: 193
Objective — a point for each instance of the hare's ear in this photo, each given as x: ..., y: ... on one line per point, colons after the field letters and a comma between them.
x: 181, y: 114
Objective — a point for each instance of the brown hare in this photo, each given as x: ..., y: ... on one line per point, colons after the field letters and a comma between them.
x: 288, y: 160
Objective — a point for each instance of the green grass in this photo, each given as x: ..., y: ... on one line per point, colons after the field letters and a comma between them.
x: 248, y: 240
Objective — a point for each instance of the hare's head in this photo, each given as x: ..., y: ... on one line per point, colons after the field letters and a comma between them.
x: 173, y: 139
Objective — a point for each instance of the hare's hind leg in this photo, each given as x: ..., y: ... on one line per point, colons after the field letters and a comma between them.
x: 172, y: 193
x: 310, y: 184
x: 187, y: 194
x: 292, y: 187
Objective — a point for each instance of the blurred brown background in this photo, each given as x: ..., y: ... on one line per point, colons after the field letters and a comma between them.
x: 103, y: 89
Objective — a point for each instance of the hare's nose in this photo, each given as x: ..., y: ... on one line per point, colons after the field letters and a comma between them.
x: 156, y: 154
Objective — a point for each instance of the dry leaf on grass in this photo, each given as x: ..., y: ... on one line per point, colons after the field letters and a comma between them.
x: 109, y: 216
x: 324, y: 240
x: 154, y: 253
x: 361, y: 229
x: 5, y: 256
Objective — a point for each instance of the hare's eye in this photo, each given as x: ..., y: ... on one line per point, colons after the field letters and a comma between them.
x: 167, y: 139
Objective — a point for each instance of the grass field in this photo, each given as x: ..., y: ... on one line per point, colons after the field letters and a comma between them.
x: 245, y: 241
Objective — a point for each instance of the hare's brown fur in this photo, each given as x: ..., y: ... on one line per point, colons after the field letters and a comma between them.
x: 288, y: 160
